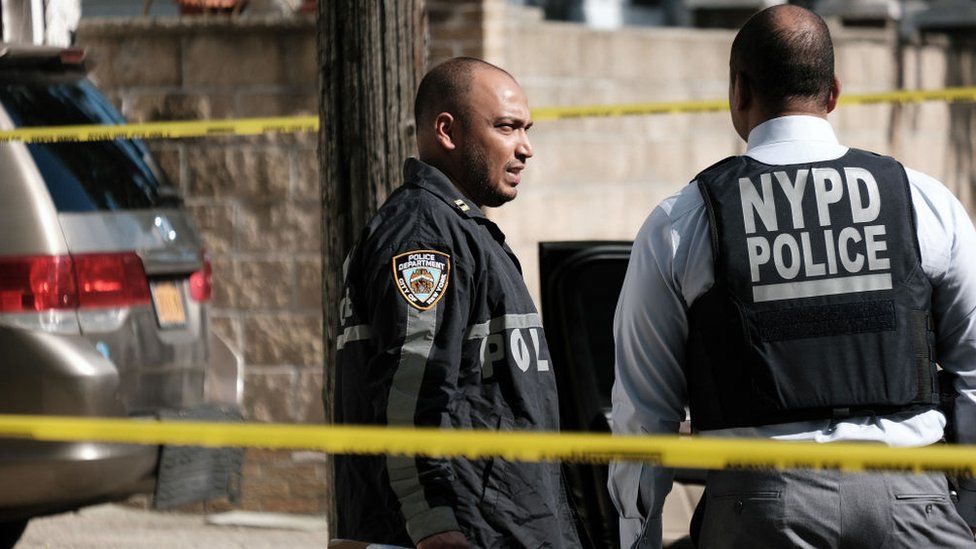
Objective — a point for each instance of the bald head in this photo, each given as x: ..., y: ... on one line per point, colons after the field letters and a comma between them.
x: 472, y: 119
x: 786, y: 54
x: 446, y: 88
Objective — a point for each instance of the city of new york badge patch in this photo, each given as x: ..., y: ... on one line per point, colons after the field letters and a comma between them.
x: 422, y: 276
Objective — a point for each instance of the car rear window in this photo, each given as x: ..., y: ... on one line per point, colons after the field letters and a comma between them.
x: 93, y: 176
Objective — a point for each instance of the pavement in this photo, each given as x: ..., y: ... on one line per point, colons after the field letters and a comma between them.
x: 116, y: 527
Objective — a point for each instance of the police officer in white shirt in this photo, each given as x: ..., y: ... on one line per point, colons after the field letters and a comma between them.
x: 802, y: 291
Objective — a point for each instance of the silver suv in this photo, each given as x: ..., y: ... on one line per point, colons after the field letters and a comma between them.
x: 103, y: 292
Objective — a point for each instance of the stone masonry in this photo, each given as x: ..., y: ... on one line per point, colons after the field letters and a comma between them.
x: 256, y: 199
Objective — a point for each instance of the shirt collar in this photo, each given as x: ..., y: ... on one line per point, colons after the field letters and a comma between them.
x: 434, y: 181
x: 794, y: 139
x: 791, y: 128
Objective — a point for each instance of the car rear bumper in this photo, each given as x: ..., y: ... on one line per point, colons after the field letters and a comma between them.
x: 65, y: 375
x: 47, y: 477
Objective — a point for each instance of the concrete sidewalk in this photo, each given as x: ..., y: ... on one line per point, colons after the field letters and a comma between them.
x: 117, y: 527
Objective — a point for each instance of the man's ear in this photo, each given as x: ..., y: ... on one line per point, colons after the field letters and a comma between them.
x: 445, y: 131
x: 741, y: 97
x: 834, y: 94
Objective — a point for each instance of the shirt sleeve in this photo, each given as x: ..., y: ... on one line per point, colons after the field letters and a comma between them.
x: 649, y: 392
x: 954, y: 309
x: 419, y: 307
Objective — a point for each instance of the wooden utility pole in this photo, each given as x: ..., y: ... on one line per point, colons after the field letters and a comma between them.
x: 372, y: 54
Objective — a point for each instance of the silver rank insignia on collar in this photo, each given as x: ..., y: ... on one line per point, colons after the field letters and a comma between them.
x: 462, y: 205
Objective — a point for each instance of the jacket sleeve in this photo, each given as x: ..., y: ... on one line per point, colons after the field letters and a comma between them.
x: 418, y: 319
x: 650, y: 330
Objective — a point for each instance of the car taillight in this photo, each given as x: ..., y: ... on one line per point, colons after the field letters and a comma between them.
x: 37, y: 283
x: 110, y: 280
x: 84, y: 281
x: 201, y: 285
x: 72, y: 56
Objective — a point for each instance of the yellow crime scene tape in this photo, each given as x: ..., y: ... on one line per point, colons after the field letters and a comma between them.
x: 671, y: 107
x: 162, y: 130
x: 293, y: 124
x: 669, y: 451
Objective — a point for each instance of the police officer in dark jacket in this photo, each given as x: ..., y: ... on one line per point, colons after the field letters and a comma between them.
x: 801, y: 291
x: 438, y: 330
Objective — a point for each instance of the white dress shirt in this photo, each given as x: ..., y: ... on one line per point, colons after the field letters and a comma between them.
x: 671, y: 266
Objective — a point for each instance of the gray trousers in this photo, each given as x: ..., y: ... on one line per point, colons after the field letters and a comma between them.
x: 829, y: 509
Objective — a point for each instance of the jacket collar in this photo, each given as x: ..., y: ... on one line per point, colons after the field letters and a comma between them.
x: 435, y: 182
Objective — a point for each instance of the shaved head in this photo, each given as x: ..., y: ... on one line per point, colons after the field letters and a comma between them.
x: 472, y: 118
x: 446, y: 88
x: 786, y: 54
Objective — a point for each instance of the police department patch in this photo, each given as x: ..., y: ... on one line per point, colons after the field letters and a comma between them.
x: 422, y: 276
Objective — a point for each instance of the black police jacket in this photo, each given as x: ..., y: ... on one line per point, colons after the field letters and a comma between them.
x: 438, y: 330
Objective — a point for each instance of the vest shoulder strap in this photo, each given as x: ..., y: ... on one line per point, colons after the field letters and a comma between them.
x: 719, y: 167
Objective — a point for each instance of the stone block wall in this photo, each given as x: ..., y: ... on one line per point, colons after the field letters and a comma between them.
x: 596, y: 179
x: 470, y: 28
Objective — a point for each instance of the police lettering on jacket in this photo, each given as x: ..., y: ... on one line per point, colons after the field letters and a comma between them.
x: 841, y: 237
x: 498, y: 346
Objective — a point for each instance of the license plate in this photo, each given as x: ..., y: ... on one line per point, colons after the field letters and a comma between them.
x: 168, y: 300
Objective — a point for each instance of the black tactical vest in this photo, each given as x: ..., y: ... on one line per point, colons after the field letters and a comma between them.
x: 820, y: 308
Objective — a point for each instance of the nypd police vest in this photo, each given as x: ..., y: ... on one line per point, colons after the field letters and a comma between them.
x: 820, y: 308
